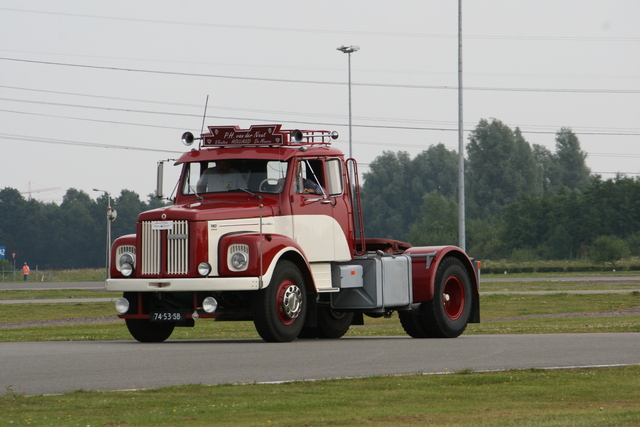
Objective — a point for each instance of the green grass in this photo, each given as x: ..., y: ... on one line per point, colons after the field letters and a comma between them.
x: 607, y: 397
x: 77, y: 275
x: 629, y: 265
x: 55, y: 293
x: 556, y: 286
x: 492, y: 307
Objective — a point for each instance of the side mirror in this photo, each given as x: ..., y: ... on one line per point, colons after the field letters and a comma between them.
x: 159, y: 180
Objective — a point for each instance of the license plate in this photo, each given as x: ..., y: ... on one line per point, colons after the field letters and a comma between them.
x: 166, y: 316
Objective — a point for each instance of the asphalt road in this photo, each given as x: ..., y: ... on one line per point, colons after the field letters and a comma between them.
x: 56, y: 367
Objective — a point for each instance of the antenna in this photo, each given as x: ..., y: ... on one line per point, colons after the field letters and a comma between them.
x: 204, y: 116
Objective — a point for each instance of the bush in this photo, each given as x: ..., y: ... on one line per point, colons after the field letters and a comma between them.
x: 523, y: 255
x: 550, y: 269
x: 608, y: 249
x: 5, y: 265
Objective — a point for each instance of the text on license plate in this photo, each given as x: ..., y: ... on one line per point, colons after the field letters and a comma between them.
x: 166, y: 316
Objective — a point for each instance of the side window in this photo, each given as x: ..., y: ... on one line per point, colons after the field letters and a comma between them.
x: 334, y: 177
x: 310, y: 177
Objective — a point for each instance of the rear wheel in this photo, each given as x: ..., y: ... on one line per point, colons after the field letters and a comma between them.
x: 279, y: 309
x: 331, y: 324
x: 447, y: 314
x: 144, y: 330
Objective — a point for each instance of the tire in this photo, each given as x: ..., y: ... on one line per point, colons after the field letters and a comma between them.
x: 447, y: 314
x: 413, y: 324
x: 331, y: 324
x: 144, y: 330
x: 279, y: 309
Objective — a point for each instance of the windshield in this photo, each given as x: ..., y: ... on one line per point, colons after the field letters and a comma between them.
x: 258, y: 176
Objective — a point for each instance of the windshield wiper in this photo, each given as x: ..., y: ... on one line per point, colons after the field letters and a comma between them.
x: 250, y: 192
x: 199, y: 197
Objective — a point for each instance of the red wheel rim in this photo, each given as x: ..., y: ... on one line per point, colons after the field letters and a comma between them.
x: 288, y: 302
x: 453, y: 297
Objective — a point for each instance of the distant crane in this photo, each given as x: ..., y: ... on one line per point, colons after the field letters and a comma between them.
x: 40, y: 190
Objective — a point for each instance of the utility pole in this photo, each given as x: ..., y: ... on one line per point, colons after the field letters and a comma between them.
x: 461, y: 207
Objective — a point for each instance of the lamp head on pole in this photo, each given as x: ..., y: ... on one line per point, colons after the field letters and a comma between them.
x: 348, y: 49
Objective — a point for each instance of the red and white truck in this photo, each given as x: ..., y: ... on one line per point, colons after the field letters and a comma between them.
x: 266, y: 226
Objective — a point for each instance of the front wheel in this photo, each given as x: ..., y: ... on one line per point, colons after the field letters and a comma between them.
x: 279, y: 309
x: 144, y: 330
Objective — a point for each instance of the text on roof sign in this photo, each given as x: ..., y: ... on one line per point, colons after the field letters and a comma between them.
x: 233, y: 135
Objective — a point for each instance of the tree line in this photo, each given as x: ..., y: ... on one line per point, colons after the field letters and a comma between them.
x: 522, y: 200
x: 66, y: 236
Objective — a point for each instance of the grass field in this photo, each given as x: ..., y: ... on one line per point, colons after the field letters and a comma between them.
x: 607, y: 396
x: 602, y: 397
x: 500, y: 313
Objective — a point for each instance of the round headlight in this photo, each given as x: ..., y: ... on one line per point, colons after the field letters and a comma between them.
x: 126, y: 269
x: 210, y: 305
x: 204, y: 268
x: 239, y: 260
x: 126, y: 263
x: 122, y: 305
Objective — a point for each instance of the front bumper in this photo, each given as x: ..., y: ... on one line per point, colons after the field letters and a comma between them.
x: 181, y: 284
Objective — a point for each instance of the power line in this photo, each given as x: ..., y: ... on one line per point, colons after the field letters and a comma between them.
x: 327, y: 31
x: 80, y: 143
x: 529, y: 128
x: 321, y: 82
x: 261, y: 119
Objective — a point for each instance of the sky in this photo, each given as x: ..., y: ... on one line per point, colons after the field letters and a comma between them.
x: 94, y: 93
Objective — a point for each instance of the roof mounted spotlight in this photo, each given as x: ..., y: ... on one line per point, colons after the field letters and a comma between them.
x: 188, y: 138
x: 334, y: 135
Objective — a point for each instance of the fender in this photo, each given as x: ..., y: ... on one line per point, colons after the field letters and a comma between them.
x: 274, y: 247
x: 424, y: 265
x: 129, y: 240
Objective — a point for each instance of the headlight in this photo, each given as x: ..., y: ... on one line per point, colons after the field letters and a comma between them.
x: 204, y: 268
x: 238, y: 257
x: 127, y: 263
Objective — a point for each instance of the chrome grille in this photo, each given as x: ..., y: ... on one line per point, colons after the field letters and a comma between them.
x: 177, y: 247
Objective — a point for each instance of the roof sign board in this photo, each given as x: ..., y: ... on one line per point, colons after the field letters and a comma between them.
x: 233, y: 135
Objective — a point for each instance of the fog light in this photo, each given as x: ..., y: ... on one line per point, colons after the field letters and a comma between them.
x: 122, y: 305
x: 204, y: 268
x: 210, y: 305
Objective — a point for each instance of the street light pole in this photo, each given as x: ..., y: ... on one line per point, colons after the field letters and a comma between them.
x: 111, y: 216
x: 349, y: 50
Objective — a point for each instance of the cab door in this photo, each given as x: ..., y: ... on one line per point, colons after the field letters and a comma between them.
x: 316, y: 211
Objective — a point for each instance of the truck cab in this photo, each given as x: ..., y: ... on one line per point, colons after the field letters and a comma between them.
x: 266, y: 226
